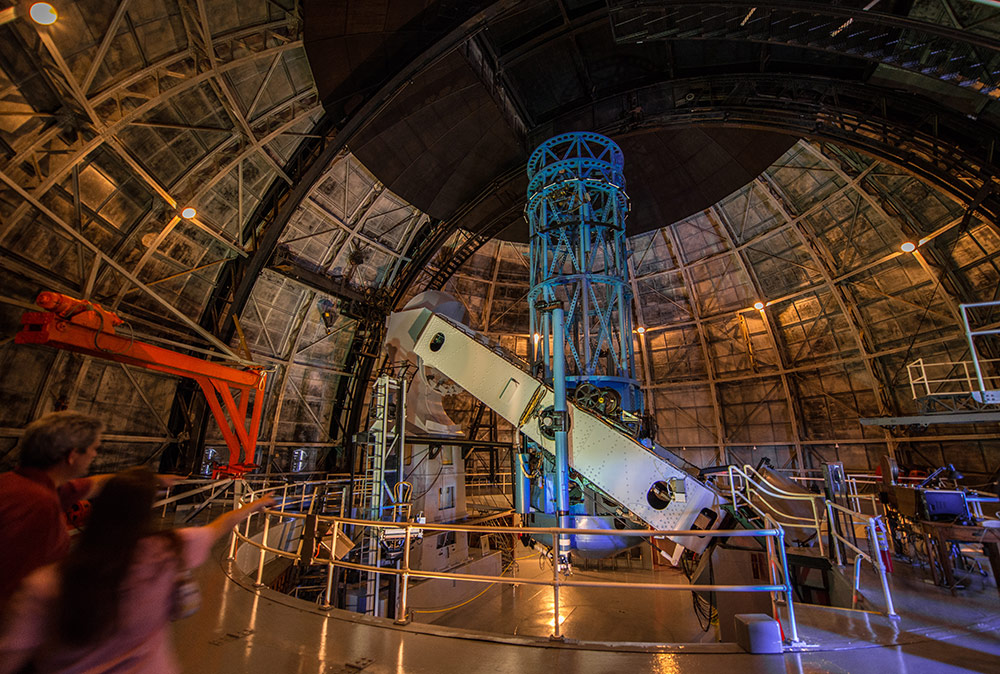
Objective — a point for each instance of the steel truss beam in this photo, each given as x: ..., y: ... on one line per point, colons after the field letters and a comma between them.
x: 854, y: 122
x: 947, y: 149
x: 957, y: 57
x: 931, y: 419
x: 794, y: 412
x: 170, y: 77
x: 927, y: 140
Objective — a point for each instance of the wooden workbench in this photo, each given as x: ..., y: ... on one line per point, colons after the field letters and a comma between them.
x: 937, y: 536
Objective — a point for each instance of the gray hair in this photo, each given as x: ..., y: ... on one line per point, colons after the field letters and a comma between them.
x: 50, y: 439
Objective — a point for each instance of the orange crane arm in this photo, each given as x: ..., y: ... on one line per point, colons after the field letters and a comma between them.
x: 83, y: 327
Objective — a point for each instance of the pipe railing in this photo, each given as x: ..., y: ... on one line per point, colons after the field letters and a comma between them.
x: 855, y: 495
x: 780, y: 586
x: 872, y: 525
x: 477, y: 484
x: 743, y: 486
x: 950, y: 377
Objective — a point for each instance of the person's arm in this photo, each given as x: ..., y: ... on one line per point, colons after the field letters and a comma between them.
x: 198, y: 541
x: 92, y: 485
x: 224, y: 523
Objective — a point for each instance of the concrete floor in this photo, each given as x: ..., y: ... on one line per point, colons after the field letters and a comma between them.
x: 245, y: 630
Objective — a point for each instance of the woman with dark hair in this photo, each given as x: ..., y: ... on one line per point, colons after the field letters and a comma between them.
x: 107, y: 607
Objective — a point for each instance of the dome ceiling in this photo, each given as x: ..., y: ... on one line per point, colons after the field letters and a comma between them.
x: 344, y: 154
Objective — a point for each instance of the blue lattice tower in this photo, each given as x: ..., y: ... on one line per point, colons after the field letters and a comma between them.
x: 576, y: 213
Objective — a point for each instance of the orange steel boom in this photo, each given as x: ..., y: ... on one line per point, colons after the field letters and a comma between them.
x: 83, y: 327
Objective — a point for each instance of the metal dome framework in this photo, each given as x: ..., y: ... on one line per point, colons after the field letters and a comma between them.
x: 118, y: 116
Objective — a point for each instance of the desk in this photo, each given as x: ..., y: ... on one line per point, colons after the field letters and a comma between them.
x: 937, y: 535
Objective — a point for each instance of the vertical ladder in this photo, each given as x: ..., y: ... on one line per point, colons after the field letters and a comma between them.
x: 386, y: 423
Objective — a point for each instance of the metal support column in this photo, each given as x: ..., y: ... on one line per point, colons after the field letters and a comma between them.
x: 562, y: 435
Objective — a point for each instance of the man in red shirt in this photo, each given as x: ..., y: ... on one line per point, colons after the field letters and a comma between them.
x: 55, y: 451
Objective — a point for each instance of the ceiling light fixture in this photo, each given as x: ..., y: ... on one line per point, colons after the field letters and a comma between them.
x: 908, y: 247
x: 43, y: 13
x: 189, y: 213
x: 759, y: 306
x: 640, y: 330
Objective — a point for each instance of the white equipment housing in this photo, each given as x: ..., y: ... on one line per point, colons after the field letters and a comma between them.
x: 606, y: 456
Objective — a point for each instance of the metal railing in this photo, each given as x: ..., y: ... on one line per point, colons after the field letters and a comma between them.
x: 745, y: 483
x: 950, y: 377
x: 780, y: 586
x: 861, y: 491
x: 873, y: 527
x: 201, y: 494
x: 487, y: 483
x: 743, y: 487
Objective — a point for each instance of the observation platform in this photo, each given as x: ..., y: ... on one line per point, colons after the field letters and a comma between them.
x: 245, y: 630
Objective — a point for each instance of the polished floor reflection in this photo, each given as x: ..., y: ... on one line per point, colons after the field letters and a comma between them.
x: 241, y: 629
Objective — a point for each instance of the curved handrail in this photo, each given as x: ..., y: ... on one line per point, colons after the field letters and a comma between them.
x: 761, y: 486
x: 872, y: 523
x: 780, y: 583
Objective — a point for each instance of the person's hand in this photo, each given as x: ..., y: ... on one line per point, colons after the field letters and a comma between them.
x: 167, y: 480
x: 265, y: 502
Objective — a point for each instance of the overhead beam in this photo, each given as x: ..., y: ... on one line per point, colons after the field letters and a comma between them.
x: 292, y: 268
x: 931, y: 419
x: 928, y: 49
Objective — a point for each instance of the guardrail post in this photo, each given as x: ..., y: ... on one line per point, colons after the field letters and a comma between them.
x: 401, y: 617
x: 329, y: 586
x: 556, y: 554
x: 246, y: 530
x: 166, y: 496
x: 857, y: 581
x: 789, y: 594
x: 772, y: 572
x: 329, y: 568
x: 263, y: 552
x: 819, y: 526
x: 834, y: 543
x: 890, y: 610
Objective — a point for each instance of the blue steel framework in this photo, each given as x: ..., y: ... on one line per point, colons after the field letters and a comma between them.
x: 576, y: 213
